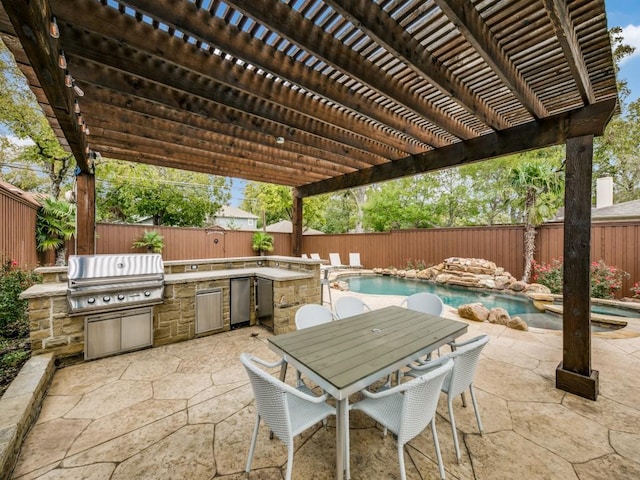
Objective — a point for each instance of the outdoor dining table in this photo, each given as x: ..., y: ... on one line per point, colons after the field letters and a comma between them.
x: 345, y: 356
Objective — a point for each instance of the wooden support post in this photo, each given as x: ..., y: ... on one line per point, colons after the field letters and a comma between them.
x: 296, y: 220
x: 86, y: 214
x: 574, y: 374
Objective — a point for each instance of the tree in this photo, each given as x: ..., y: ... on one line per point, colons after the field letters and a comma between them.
x: 22, y: 117
x: 127, y: 192
x: 402, y: 203
x: 275, y: 203
x: 55, y: 224
x: 616, y: 154
x: 539, y: 185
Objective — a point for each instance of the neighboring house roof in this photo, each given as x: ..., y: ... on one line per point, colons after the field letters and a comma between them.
x: 26, y: 196
x: 285, y: 226
x: 620, y: 211
x: 233, y: 212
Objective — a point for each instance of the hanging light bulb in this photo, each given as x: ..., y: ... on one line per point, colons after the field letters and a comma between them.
x: 62, y: 60
x: 68, y: 79
x: 76, y: 106
x: 77, y: 89
x: 86, y: 129
x: 80, y: 120
x: 54, y: 31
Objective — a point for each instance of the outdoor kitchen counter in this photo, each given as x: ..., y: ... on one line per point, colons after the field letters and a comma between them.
x: 45, y: 290
x: 270, y: 273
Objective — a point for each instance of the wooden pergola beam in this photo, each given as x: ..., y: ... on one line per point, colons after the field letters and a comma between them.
x: 566, y: 33
x: 100, y: 76
x: 181, y: 60
x: 475, y: 31
x: 229, y: 134
x: 214, y: 31
x: 297, y: 29
x: 31, y: 22
x: 385, y: 30
x: 549, y: 131
x: 137, y: 124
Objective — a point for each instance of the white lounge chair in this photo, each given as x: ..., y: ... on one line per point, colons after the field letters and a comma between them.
x: 315, y: 256
x: 408, y: 408
x: 334, y: 260
x: 354, y: 260
x: 288, y: 412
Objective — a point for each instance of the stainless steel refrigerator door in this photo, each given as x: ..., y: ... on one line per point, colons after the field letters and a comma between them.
x: 240, y: 301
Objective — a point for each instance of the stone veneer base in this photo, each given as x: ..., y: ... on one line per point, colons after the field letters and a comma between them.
x: 19, y: 407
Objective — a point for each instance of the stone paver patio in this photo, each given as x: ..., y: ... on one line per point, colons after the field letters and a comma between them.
x: 186, y: 411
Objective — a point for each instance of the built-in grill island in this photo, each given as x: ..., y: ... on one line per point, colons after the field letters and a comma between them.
x: 116, y: 293
x: 107, y: 304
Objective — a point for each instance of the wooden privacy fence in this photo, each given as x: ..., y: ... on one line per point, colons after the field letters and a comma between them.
x: 17, y: 226
x: 186, y: 243
x: 616, y: 243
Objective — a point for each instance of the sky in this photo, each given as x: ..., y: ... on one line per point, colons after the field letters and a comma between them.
x: 626, y: 14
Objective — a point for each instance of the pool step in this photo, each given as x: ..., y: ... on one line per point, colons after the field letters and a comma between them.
x: 595, y: 317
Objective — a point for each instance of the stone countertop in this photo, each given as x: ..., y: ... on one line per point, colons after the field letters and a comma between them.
x: 53, y: 289
x: 277, y: 274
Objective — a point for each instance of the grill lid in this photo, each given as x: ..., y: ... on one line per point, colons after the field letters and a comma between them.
x: 114, y: 282
x: 113, y: 268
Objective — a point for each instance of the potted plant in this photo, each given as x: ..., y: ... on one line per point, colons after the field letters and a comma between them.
x: 262, y: 242
x: 152, y: 241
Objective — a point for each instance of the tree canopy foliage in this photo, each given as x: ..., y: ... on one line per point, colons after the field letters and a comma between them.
x: 128, y: 192
x: 22, y: 118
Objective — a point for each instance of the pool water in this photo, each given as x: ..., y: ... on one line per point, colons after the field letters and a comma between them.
x: 455, y: 296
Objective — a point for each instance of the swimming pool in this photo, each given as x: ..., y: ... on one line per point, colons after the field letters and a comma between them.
x: 455, y: 296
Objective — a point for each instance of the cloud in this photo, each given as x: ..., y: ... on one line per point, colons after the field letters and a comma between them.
x: 631, y: 35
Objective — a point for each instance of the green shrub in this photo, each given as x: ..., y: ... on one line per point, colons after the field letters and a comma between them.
x: 13, y: 311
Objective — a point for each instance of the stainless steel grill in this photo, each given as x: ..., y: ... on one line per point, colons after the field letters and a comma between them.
x: 98, y: 283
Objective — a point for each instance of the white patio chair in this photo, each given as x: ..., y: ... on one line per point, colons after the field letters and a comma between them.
x: 287, y: 411
x: 354, y: 260
x: 425, y: 302
x: 304, y: 256
x: 315, y: 256
x: 408, y: 408
x: 310, y: 315
x: 349, y: 306
x: 334, y: 260
x: 465, y: 362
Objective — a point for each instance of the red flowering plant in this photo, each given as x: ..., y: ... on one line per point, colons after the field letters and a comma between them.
x: 606, y: 280
x: 636, y: 290
x: 549, y: 274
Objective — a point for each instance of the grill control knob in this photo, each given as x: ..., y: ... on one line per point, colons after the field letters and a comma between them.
x: 120, y: 296
x: 147, y: 293
x: 106, y: 299
x: 91, y: 300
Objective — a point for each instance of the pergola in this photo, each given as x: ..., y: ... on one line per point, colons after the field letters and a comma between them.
x: 323, y: 95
